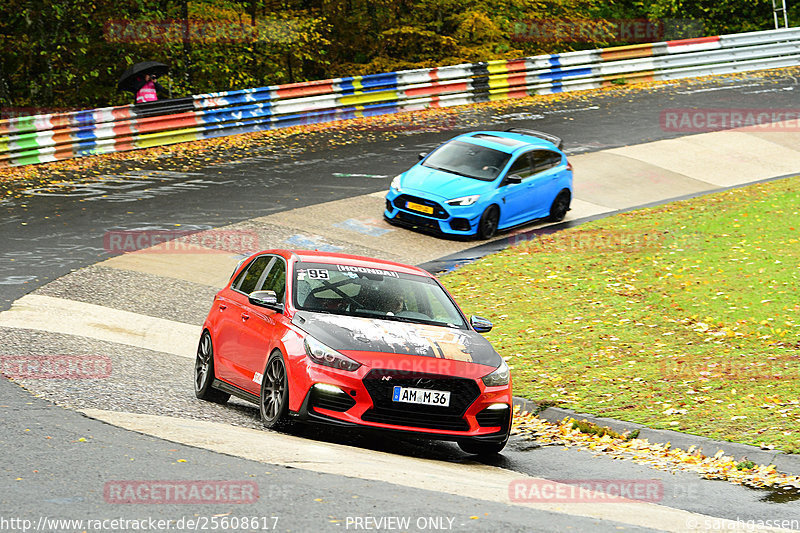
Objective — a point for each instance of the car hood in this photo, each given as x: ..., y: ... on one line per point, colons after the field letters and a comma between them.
x: 426, y: 181
x: 356, y: 334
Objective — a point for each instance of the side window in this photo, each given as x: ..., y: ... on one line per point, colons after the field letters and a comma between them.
x: 247, y: 280
x: 545, y: 159
x: 276, y: 280
x: 521, y: 167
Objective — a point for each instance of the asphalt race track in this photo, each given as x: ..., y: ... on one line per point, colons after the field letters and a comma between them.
x: 142, y: 312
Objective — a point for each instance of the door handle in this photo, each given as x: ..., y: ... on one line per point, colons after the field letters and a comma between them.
x: 222, y: 307
x: 245, y: 316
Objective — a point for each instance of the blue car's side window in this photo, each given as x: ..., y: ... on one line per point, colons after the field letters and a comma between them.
x: 520, y: 167
x: 545, y: 160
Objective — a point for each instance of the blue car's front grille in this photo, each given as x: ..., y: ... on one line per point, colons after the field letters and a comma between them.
x: 438, y: 211
x: 418, y: 221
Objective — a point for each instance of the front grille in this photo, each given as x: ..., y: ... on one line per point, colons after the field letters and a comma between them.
x: 492, y: 418
x: 417, y: 220
x: 380, y: 385
x: 333, y: 401
x: 438, y: 210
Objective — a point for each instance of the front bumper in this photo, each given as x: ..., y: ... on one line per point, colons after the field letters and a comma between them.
x: 364, y: 403
x: 445, y: 219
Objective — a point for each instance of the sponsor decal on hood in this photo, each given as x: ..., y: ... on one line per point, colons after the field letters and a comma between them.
x: 348, y: 333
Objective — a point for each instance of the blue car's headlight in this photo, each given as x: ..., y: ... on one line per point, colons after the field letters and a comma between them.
x: 497, y: 378
x: 464, y: 200
x: 396, y: 183
x: 325, y: 355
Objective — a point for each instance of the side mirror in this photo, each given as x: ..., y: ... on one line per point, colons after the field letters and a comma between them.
x: 266, y: 299
x: 422, y: 155
x: 479, y: 324
x: 513, y: 179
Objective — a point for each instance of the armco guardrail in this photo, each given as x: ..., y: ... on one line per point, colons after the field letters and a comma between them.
x: 52, y: 137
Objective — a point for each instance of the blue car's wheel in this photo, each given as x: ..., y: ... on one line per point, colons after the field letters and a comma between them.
x: 560, y: 207
x: 487, y: 227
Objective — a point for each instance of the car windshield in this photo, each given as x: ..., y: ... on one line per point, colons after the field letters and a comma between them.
x: 373, y: 293
x: 468, y: 160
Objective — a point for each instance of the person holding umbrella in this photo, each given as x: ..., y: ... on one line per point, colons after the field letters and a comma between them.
x: 147, y: 89
x: 140, y: 79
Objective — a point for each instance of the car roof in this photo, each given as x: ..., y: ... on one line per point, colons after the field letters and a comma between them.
x: 315, y: 256
x: 505, y: 141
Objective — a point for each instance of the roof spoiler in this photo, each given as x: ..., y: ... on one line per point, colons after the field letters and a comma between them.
x: 540, y: 134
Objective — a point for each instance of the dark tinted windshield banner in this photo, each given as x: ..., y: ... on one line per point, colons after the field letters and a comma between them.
x: 366, y: 270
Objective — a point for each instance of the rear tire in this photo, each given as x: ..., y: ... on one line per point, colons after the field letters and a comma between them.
x: 487, y: 227
x: 560, y: 207
x: 274, y: 400
x: 204, y: 372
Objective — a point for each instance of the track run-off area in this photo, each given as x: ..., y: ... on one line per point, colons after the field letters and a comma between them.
x: 142, y: 311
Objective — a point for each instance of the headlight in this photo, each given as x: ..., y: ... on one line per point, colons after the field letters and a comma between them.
x: 396, y: 183
x: 497, y: 378
x: 464, y: 200
x: 327, y: 356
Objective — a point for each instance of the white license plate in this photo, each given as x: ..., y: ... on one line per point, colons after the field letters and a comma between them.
x: 423, y: 396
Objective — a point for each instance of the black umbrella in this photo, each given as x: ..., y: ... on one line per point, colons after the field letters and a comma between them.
x: 128, y: 79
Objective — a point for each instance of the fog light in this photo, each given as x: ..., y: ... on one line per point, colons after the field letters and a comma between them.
x: 324, y: 387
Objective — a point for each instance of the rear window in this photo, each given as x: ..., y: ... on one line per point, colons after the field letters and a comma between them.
x: 505, y: 141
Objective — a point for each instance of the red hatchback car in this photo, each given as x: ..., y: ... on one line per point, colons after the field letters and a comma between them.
x: 356, y: 342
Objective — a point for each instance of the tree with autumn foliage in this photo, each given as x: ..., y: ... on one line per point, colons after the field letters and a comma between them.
x: 70, y: 53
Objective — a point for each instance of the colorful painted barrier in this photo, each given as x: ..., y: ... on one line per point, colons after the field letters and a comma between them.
x: 52, y: 137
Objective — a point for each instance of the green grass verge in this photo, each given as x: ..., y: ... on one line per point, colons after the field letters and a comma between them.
x: 684, y: 316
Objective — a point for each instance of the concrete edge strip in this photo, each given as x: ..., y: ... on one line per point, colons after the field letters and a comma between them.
x: 476, y: 481
x: 70, y: 317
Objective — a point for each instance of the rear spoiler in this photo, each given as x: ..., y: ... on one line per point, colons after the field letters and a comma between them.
x: 540, y: 134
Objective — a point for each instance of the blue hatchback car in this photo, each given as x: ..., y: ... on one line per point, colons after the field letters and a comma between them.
x: 483, y: 181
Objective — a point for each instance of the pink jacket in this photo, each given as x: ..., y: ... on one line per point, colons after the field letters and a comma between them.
x: 147, y: 93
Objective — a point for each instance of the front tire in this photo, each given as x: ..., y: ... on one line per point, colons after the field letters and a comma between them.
x: 487, y: 227
x: 274, y: 401
x: 560, y: 207
x: 204, y: 372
